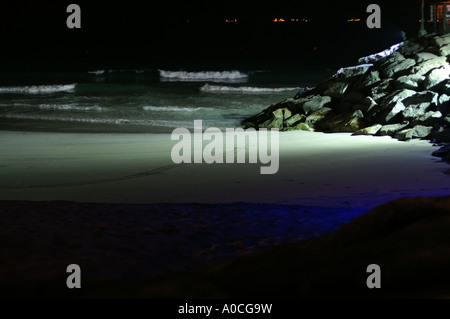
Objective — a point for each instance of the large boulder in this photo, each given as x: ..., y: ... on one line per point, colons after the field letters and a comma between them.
x: 417, y: 105
x: 441, y: 132
x: 382, y: 89
x: 315, y: 102
x: 424, y: 56
x: 337, y: 89
x: 410, y: 48
x: 441, y: 41
x: 412, y: 82
x: 376, y: 57
x: 294, y: 120
x: 436, y: 77
x: 344, y: 122
x: 392, y: 129
x: 393, y: 104
x: 445, y: 50
x: 426, y: 66
x: 352, y: 71
x: 397, y: 68
x: 370, y: 130
x: 368, y: 80
x: 317, y: 116
x: 418, y: 131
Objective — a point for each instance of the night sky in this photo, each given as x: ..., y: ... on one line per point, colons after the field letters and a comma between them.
x: 183, y: 30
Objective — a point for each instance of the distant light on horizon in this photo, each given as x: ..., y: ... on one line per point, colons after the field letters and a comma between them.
x: 276, y: 20
x: 354, y: 20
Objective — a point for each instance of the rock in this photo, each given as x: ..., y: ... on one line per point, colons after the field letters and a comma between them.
x: 417, y: 105
x: 315, y: 102
x: 428, y: 119
x: 443, y: 152
x: 410, y: 48
x: 426, y: 66
x: 395, y: 58
x: 444, y: 104
x: 445, y: 50
x: 346, y: 122
x: 349, y: 100
x: 441, y: 41
x: 383, y: 89
x: 418, y: 131
x: 278, y: 118
x: 380, y: 55
x: 429, y: 97
x: 317, y: 116
x: 274, y: 122
x: 441, y: 132
x: 368, y: 80
x: 446, y: 87
x: 412, y: 82
x: 424, y: 56
x: 370, y: 130
x: 401, y: 93
x: 302, y: 127
x: 352, y: 71
x: 442, y: 135
x: 415, y: 111
x: 393, y: 104
x: 280, y: 113
x: 366, y: 105
x: 443, y: 98
x: 391, y: 129
x: 302, y: 92
x: 337, y: 89
x: 294, y: 119
x: 436, y: 77
x: 396, y: 68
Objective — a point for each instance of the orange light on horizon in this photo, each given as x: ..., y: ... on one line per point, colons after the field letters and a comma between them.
x: 279, y: 20
x: 231, y: 20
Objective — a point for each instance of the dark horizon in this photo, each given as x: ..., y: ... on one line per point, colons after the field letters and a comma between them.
x: 181, y: 33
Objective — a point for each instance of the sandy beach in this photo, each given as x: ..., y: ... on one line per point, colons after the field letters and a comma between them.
x: 117, y: 205
x: 316, y: 169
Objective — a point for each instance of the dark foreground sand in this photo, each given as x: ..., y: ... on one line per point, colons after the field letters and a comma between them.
x: 233, y: 250
x: 127, y: 244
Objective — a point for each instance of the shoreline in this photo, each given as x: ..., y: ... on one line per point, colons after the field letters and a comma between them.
x: 316, y: 169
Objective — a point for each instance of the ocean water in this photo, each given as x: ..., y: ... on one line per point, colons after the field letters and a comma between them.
x: 143, y: 100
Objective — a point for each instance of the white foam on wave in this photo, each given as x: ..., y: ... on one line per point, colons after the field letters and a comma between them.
x: 122, y: 121
x: 69, y: 107
x: 98, y: 72
x: 215, y: 76
x: 243, y: 89
x: 38, y: 89
x: 171, y: 108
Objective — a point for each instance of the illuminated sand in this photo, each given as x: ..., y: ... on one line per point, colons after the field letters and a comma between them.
x: 316, y: 169
x: 341, y: 176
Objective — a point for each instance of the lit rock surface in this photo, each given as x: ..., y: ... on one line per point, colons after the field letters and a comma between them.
x: 407, y: 83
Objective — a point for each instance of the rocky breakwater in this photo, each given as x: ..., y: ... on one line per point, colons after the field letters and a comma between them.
x: 403, y: 92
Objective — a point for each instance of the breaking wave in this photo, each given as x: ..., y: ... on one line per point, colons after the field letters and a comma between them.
x: 171, y: 108
x: 119, y: 121
x: 69, y: 107
x: 243, y: 89
x: 38, y: 89
x: 215, y: 76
